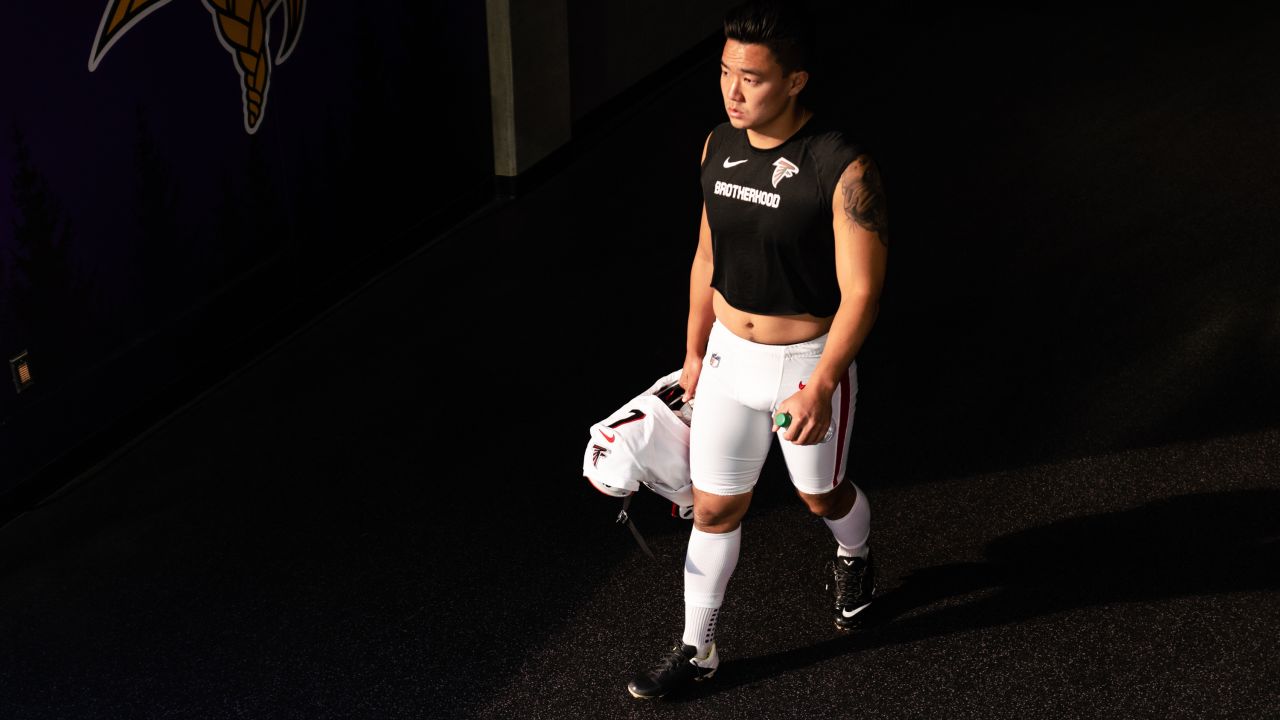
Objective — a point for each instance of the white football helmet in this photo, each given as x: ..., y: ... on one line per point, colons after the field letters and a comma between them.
x: 644, y: 442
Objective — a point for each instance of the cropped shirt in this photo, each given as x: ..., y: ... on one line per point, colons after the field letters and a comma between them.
x: 770, y: 216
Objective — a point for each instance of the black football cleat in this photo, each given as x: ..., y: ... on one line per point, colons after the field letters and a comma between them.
x: 678, y: 668
x: 855, y: 583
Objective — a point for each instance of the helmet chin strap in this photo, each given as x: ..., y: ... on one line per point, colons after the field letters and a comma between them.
x: 625, y: 519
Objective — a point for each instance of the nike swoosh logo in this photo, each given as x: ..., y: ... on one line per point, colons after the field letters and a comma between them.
x: 728, y: 164
x: 851, y: 613
x: 606, y: 436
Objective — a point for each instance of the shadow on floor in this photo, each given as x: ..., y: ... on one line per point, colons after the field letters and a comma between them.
x: 1183, y: 546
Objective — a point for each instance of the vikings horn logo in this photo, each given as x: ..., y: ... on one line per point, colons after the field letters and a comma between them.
x: 783, y: 169
x: 241, y: 25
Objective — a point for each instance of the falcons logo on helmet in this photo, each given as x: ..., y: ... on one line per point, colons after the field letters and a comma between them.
x: 783, y: 169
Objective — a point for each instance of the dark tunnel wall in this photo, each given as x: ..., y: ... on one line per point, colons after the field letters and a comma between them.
x: 1083, y: 215
x: 170, y: 186
x: 614, y: 45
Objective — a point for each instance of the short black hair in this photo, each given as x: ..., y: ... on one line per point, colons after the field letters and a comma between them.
x: 785, y: 28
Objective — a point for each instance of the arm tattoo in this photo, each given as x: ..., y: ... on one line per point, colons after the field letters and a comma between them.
x: 864, y: 197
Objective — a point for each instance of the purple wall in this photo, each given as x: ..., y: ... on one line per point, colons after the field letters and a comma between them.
x: 142, y: 224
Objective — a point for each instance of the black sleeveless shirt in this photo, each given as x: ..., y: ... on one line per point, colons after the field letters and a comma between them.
x: 770, y: 218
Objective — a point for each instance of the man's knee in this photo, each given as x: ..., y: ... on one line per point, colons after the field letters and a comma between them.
x: 831, y: 505
x: 718, y: 513
x: 704, y: 517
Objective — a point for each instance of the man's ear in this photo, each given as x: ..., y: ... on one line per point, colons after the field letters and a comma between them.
x: 799, y: 79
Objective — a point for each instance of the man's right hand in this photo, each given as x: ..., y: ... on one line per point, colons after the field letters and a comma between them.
x: 689, y: 376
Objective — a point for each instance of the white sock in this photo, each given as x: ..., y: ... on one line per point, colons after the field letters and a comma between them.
x: 708, y: 563
x: 700, y: 627
x: 852, y: 530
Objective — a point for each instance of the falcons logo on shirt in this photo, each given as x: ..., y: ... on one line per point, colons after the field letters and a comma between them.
x: 596, y: 453
x: 783, y: 169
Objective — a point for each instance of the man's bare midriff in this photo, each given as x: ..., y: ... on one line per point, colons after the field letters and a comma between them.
x: 768, y: 329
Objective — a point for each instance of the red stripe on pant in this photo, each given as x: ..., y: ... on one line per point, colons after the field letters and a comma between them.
x: 844, y: 425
